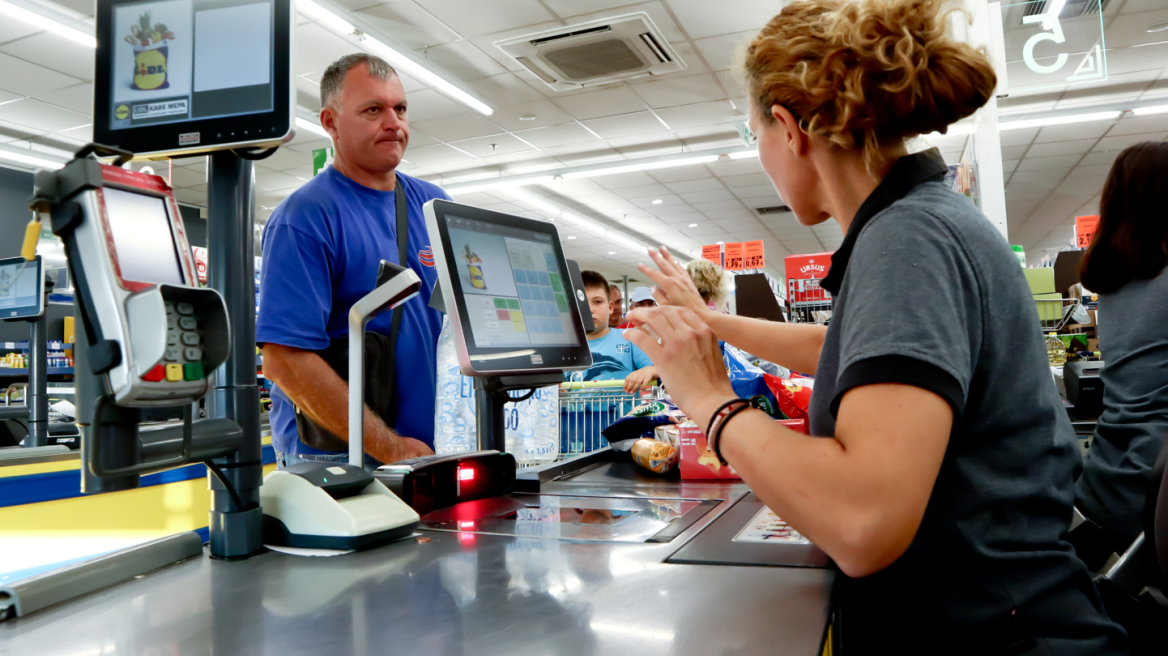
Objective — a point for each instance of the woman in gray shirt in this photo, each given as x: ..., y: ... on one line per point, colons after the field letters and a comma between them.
x: 1125, y: 266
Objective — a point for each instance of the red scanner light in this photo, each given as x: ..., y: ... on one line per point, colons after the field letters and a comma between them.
x: 466, y: 474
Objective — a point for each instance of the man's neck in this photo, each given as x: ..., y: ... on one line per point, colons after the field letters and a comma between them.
x: 599, y: 334
x: 379, y: 180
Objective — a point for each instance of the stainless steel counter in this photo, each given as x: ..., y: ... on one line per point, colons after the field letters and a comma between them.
x: 458, y: 593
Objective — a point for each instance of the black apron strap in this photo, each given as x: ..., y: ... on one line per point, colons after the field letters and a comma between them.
x: 403, y: 252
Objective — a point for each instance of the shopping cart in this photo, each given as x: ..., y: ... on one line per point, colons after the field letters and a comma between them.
x: 1055, y: 313
x: 587, y: 408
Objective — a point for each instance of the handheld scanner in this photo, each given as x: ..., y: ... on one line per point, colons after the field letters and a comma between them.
x: 154, y: 335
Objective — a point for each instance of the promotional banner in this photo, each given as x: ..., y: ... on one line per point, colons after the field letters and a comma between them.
x: 1085, y: 230
x: 753, y: 257
x: 734, y: 257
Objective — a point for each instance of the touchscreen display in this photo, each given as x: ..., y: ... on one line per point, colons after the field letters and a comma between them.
x: 182, y: 60
x: 143, y: 241
x: 20, y: 291
x: 515, y: 293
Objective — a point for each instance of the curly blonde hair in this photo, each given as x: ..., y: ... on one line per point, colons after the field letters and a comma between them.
x: 863, y: 74
x: 710, y: 280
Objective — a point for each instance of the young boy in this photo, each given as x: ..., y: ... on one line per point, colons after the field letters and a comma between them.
x: 613, y: 357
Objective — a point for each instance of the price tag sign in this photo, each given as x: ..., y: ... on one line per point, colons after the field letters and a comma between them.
x: 1085, y: 230
x: 713, y: 253
x: 734, y: 257
x: 752, y: 257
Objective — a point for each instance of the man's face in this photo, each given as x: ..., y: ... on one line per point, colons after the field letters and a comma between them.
x: 644, y: 304
x: 369, y: 125
x: 615, y: 314
x: 601, y: 306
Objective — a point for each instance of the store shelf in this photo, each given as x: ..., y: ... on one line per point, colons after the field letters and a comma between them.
x: 9, y: 372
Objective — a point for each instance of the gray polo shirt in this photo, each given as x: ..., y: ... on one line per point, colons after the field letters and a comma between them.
x: 927, y: 293
x: 1131, y: 431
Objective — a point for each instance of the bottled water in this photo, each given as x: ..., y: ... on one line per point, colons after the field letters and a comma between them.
x: 532, y: 426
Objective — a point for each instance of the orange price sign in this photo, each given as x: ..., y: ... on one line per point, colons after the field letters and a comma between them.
x: 713, y: 253
x: 753, y: 257
x: 734, y: 257
x: 1085, y: 230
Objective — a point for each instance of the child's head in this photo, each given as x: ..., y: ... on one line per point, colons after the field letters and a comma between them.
x: 596, y: 289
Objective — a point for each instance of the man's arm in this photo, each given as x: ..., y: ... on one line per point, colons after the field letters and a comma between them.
x: 317, y: 390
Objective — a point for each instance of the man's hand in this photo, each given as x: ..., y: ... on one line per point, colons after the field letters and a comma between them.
x: 398, y: 449
x: 640, y: 378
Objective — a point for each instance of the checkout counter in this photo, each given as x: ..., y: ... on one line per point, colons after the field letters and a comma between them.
x: 588, y: 556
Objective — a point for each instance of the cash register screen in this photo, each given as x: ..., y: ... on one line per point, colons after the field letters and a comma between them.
x: 21, y: 288
x: 516, y: 293
x: 142, y: 237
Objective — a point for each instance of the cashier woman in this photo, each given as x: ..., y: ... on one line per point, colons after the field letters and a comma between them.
x: 939, y: 477
x: 321, y: 250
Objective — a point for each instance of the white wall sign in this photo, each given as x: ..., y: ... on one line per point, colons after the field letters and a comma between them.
x: 1050, y: 43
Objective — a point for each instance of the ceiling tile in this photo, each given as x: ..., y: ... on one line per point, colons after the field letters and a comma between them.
x: 648, y: 145
x: 456, y: 128
x: 189, y: 196
x: 1077, y: 131
x: 1106, y: 144
x: 1140, y: 125
x: 1009, y: 165
x: 406, y: 23
x: 543, y: 111
x: 720, y: 51
x: 706, y: 184
x: 1098, y: 171
x: 317, y: 47
x: 558, y: 135
x: 428, y: 104
x: 276, y: 182
x: 435, y: 155
x: 487, y: 16
x: 77, y: 98
x: 705, y: 19
x: 1044, y: 175
x: 1095, y: 159
x: 27, y: 79
x: 499, y: 144
x: 682, y: 173
x: 707, y: 113
x: 651, y: 191
x: 1040, y: 163
x: 625, y: 125
x: 716, y: 205
x: 582, y: 154
x: 1013, y: 152
x: 746, y: 180
x: 605, y: 102
x: 707, y: 196
x: 52, y: 51
x: 1018, y: 137
x: 463, y: 60
x: 184, y: 177
x: 505, y: 89
x: 734, y: 167
x: 672, y: 91
x: 41, y: 116
x: 1078, y: 146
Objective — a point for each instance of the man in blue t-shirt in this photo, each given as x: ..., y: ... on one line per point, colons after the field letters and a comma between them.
x: 321, y: 251
x: 613, y: 357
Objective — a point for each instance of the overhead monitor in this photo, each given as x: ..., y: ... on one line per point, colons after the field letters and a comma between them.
x: 507, y: 290
x: 186, y: 76
x: 22, y: 288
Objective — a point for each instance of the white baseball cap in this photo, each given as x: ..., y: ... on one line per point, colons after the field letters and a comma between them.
x: 641, y: 294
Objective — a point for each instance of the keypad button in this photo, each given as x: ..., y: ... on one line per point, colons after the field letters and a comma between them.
x: 169, y: 306
x: 193, y: 371
x: 188, y: 323
x: 190, y: 339
x: 173, y: 353
x: 193, y: 354
x: 171, y: 338
x: 185, y: 309
x: 154, y: 375
x: 174, y: 373
x: 171, y: 322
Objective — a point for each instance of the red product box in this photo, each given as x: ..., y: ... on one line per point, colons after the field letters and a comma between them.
x: 698, y: 462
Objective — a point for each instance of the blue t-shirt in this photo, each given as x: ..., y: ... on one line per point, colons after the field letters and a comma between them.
x: 321, y: 250
x: 614, y: 357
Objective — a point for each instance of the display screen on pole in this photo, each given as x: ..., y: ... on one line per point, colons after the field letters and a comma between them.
x: 192, y: 75
x: 506, y: 280
x: 22, y: 288
x: 142, y: 236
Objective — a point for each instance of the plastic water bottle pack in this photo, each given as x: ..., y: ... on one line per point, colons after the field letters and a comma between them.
x: 532, y: 426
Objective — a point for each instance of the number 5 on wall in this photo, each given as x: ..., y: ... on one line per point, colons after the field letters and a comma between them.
x: 1055, y: 34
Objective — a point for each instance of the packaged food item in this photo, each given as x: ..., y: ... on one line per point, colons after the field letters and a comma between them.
x: 793, y: 395
x: 657, y: 457
x: 748, y: 381
x: 698, y: 461
x: 641, y: 422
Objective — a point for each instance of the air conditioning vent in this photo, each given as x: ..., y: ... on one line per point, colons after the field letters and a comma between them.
x: 775, y: 209
x: 595, y: 52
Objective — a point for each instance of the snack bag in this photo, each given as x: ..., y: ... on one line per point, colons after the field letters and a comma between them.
x: 657, y: 457
x: 698, y: 461
x: 793, y: 394
x: 641, y: 422
x: 748, y: 380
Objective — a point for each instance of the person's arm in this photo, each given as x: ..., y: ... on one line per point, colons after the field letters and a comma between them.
x: 793, y: 346
x: 860, y: 496
x: 318, y: 391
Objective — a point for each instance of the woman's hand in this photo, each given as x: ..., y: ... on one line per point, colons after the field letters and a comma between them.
x: 687, y: 358
x: 674, y: 286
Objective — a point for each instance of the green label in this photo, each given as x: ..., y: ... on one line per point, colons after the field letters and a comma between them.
x: 321, y: 157
x: 653, y: 408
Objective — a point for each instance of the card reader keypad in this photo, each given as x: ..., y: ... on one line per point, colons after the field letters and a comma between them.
x: 183, y: 358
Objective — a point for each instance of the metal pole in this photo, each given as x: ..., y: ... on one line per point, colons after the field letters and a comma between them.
x: 625, y: 303
x: 356, y: 389
x: 38, y: 396
x: 235, y: 532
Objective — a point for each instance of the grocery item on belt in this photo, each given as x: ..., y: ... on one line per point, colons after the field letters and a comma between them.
x: 793, y: 394
x: 641, y: 422
x: 657, y: 457
x: 748, y: 380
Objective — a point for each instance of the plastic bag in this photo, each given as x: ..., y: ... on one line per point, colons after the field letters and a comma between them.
x: 532, y: 426
x: 748, y: 381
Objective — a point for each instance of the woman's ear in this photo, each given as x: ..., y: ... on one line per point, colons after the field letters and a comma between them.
x: 794, y: 139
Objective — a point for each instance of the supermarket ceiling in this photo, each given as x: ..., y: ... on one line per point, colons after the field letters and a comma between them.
x: 537, y: 131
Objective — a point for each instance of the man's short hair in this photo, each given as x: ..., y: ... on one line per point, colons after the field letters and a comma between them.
x: 593, y: 279
x: 613, y: 287
x: 334, y: 75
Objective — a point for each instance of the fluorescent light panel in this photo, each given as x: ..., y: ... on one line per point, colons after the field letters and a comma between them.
x: 1149, y: 111
x: 29, y: 159
x: 1058, y: 120
x: 398, y: 59
x: 311, y: 126
x: 47, y: 19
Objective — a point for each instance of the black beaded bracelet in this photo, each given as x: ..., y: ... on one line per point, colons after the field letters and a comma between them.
x: 711, y: 434
x: 721, y: 425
